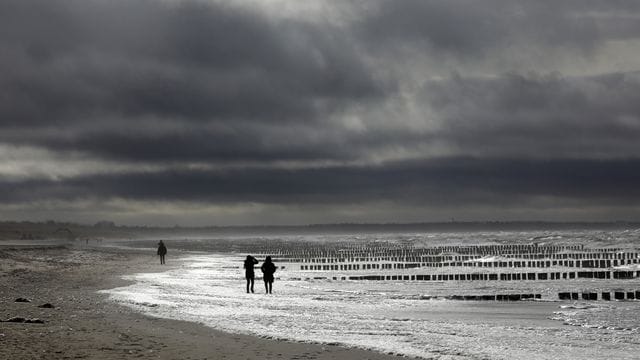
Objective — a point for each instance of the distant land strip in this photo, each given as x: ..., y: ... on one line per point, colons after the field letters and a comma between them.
x: 107, y: 229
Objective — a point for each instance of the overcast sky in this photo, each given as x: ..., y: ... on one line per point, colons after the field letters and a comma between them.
x: 164, y: 112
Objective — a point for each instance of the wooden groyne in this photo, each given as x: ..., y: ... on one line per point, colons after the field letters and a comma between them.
x: 490, y: 256
x: 383, y: 261
x: 498, y: 297
x: 529, y: 276
x: 603, y: 295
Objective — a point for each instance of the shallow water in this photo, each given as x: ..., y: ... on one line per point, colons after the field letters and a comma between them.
x: 397, y: 316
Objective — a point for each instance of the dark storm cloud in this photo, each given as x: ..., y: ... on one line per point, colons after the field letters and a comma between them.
x: 284, y: 104
x: 450, y: 181
x: 101, y: 73
x: 489, y: 28
x: 544, y: 116
x: 74, y: 61
x: 243, y: 144
x: 220, y: 146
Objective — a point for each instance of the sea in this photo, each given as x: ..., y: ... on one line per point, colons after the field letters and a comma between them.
x: 412, y: 318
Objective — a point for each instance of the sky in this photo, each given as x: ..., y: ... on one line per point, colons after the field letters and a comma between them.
x: 240, y: 112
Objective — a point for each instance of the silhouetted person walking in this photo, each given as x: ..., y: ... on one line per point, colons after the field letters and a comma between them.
x: 268, y: 268
x: 162, y: 251
x: 249, y: 263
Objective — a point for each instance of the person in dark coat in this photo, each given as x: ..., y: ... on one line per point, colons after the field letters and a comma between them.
x: 162, y: 251
x: 268, y: 269
x: 249, y: 263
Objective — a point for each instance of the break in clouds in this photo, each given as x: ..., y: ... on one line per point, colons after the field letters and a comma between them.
x: 238, y: 112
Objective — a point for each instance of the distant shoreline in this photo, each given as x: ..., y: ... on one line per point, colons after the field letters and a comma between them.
x: 27, y: 230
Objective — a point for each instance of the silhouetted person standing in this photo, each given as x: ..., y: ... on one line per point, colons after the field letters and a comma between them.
x: 268, y: 268
x: 249, y: 263
x: 162, y: 251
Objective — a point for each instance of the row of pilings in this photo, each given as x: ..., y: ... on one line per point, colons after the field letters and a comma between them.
x: 333, y: 253
x: 588, y: 264
x: 602, y: 295
x: 524, y: 276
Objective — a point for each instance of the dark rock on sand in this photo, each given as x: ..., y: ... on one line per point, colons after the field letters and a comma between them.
x: 46, y: 306
x: 34, y: 321
x: 22, y: 300
x: 18, y: 319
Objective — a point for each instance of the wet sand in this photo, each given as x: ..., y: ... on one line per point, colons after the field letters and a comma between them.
x: 83, y: 324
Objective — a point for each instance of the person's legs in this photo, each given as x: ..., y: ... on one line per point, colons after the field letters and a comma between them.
x: 270, y: 286
x: 248, y: 281
x: 252, y: 282
x: 266, y: 286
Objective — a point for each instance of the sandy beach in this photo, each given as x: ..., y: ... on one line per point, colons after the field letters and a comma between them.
x: 83, y: 324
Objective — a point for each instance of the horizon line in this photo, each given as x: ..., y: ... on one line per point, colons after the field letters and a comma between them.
x: 111, y: 224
